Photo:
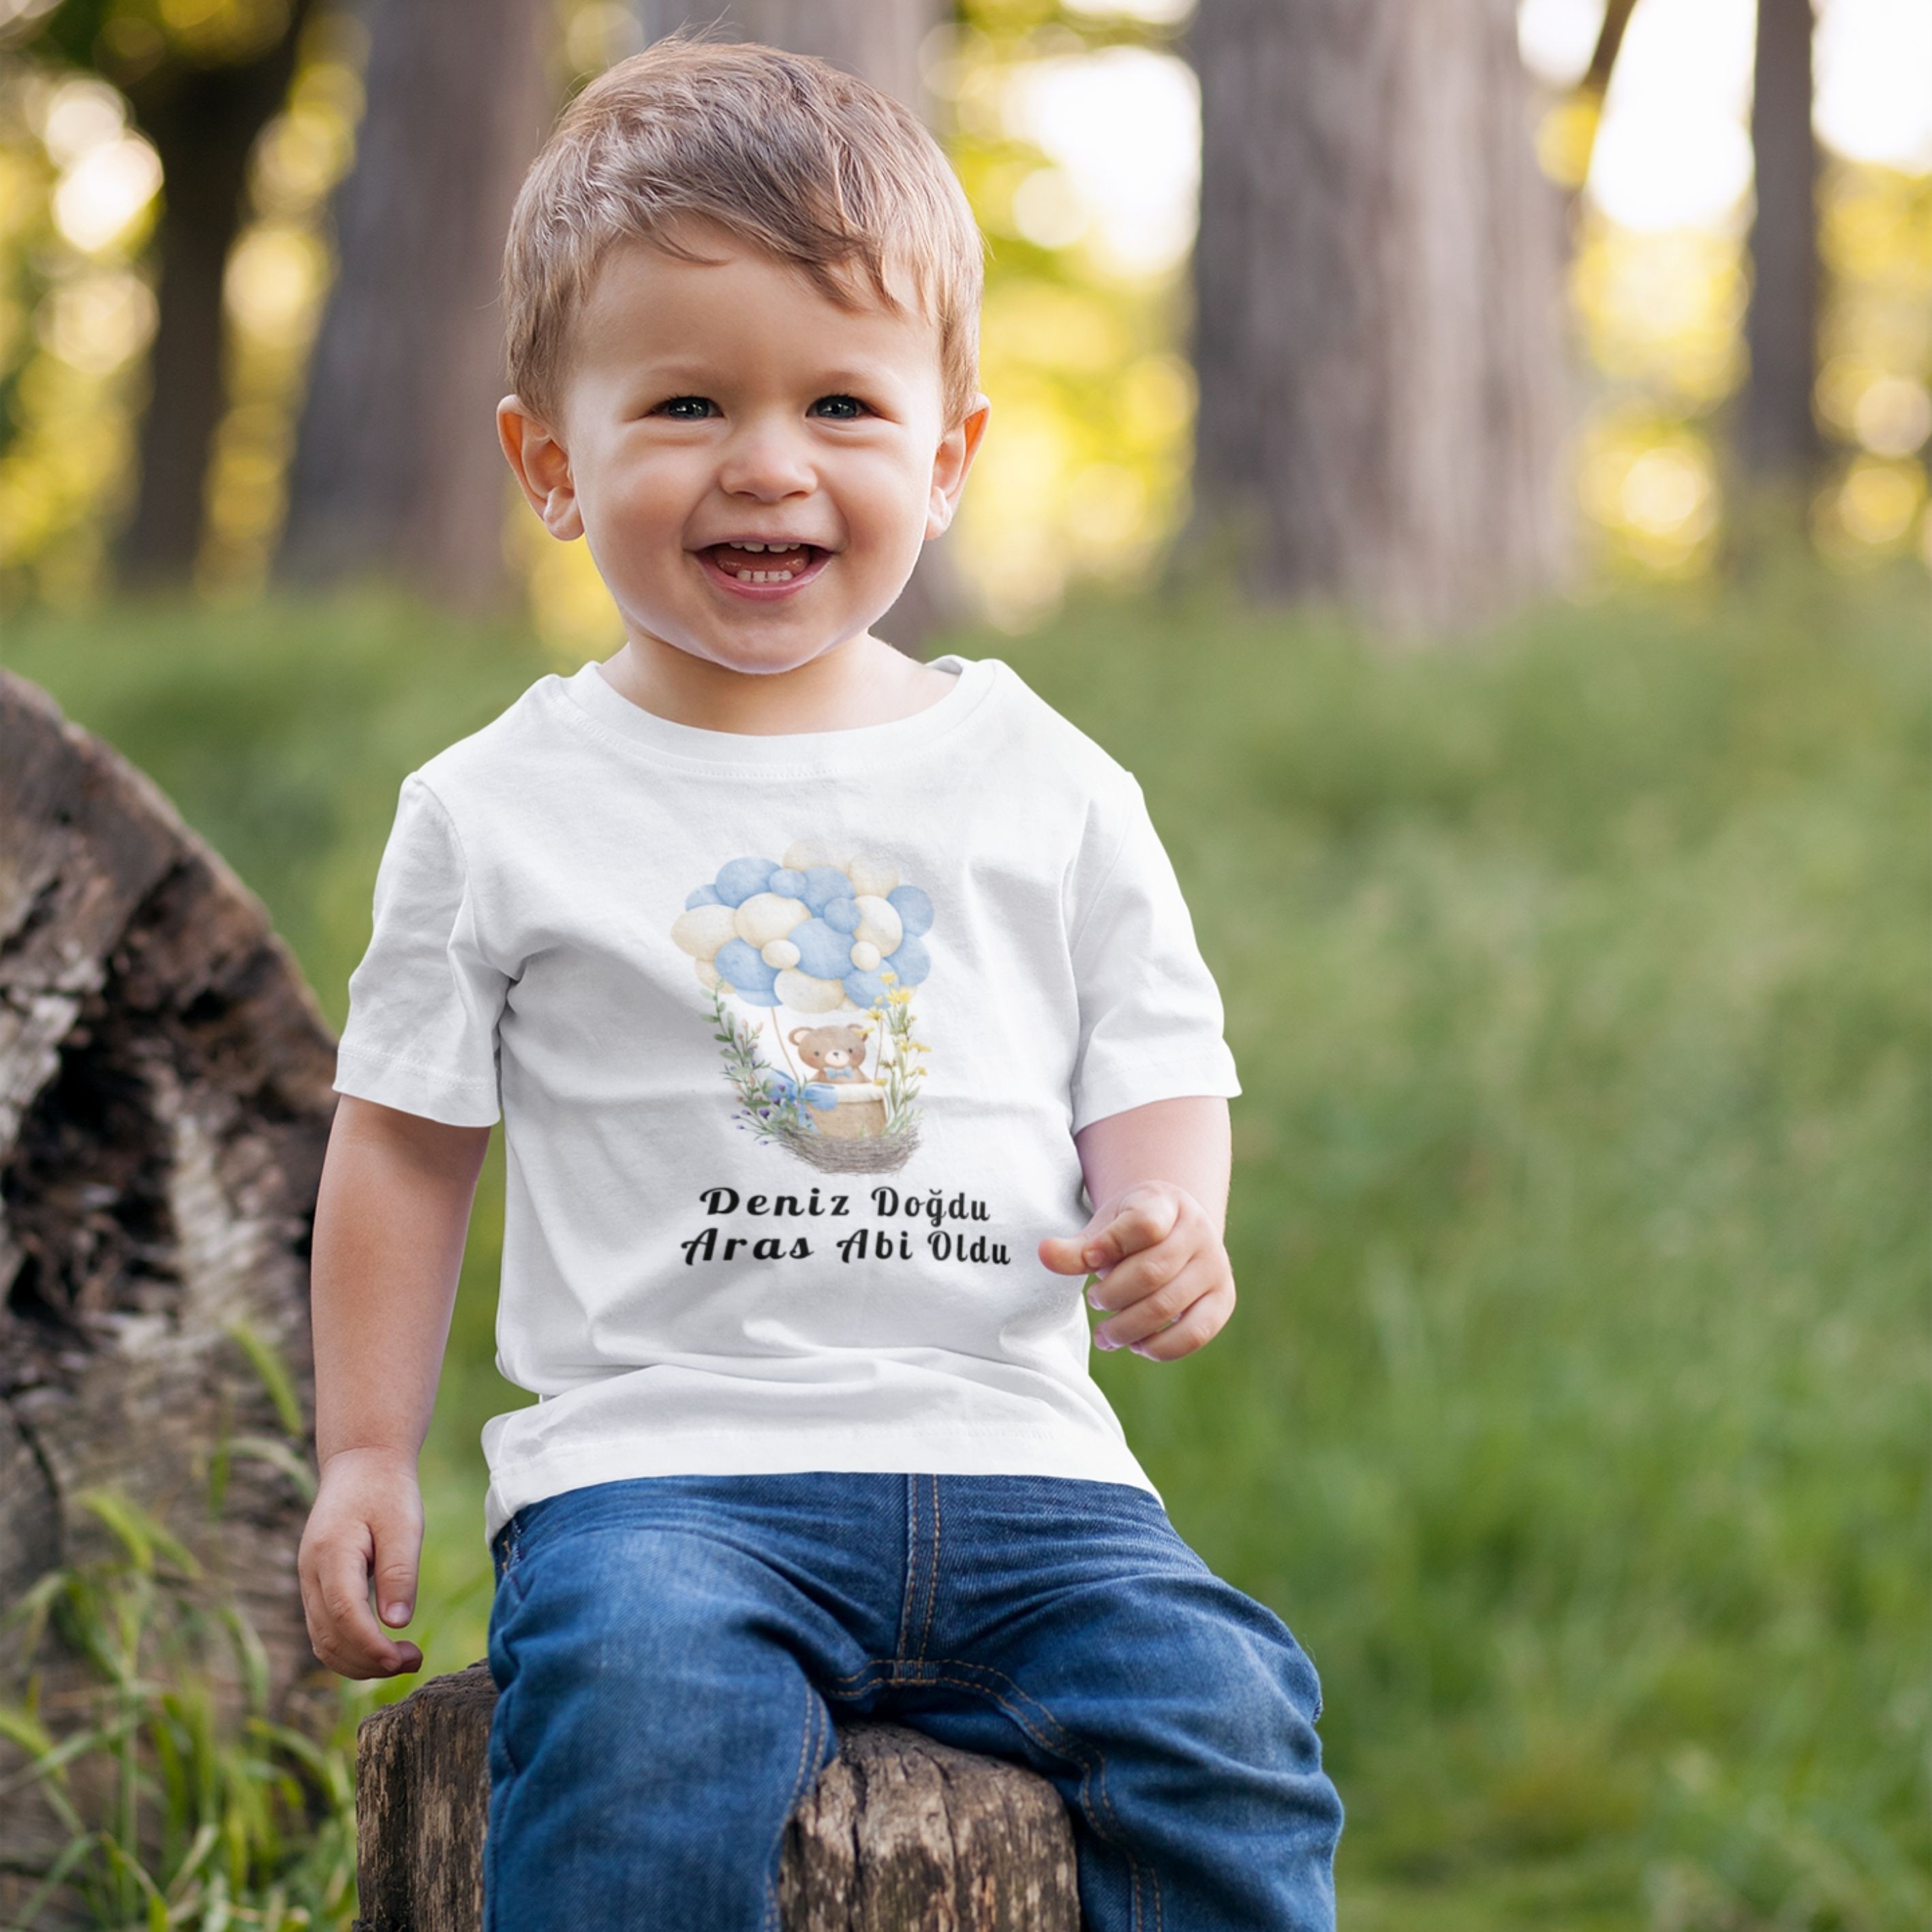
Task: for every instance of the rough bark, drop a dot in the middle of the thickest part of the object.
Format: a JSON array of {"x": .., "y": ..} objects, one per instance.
[
  {"x": 880, "y": 41},
  {"x": 1778, "y": 438},
  {"x": 165, "y": 1096},
  {"x": 1379, "y": 330},
  {"x": 397, "y": 470},
  {"x": 901, "y": 1832},
  {"x": 203, "y": 122}
]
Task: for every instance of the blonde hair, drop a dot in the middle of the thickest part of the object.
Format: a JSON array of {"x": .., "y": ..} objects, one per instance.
[{"x": 784, "y": 151}]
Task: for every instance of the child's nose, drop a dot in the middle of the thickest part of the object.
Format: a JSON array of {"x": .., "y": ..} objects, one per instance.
[{"x": 766, "y": 461}]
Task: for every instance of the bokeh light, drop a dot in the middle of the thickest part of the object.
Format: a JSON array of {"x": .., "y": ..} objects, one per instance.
[{"x": 1075, "y": 127}]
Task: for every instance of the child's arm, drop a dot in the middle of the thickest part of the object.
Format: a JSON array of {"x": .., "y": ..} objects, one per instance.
[
  {"x": 390, "y": 1222},
  {"x": 1158, "y": 1176}
]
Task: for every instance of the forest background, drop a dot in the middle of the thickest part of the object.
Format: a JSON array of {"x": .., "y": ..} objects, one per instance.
[{"x": 1539, "y": 726}]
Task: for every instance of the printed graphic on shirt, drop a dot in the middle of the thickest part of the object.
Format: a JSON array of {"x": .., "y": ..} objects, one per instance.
[{"x": 811, "y": 961}]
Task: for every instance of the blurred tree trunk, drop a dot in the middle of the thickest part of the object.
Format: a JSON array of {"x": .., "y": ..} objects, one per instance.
[
  {"x": 1591, "y": 90},
  {"x": 203, "y": 122},
  {"x": 397, "y": 469},
  {"x": 1777, "y": 442},
  {"x": 879, "y": 41},
  {"x": 1379, "y": 326}
]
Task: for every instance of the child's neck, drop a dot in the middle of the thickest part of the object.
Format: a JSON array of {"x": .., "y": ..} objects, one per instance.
[{"x": 863, "y": 681}]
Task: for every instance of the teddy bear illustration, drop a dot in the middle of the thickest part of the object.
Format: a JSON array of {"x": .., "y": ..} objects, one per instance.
[
  {"x": 831, "y": 1052},
  {"x": 807, "y": 958}
]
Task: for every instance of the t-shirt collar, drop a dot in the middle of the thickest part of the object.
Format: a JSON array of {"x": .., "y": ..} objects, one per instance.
[{"x": 862, "y": 747}]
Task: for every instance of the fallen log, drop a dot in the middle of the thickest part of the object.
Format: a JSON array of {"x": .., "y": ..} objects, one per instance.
[{"x": 165, "y": 1097}]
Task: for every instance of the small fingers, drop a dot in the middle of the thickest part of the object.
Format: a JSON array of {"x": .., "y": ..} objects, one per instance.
[
  {"x": 343, "y": 1631},
  {"x": 1064, "y": 1254},
  {"x": 1194, "y": 1329},
  {"x": 398, "y": 1545},
  {"x": 1146, "y": 1272},
  {"x": 1163, "y": 1304},
  {"x": 1145, "y": 1217}
]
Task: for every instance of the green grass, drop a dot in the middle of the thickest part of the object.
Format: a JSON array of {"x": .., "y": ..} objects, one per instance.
[
  {"x": 185, "y": 1804},
  {"x": 1575, "y": 1413}
]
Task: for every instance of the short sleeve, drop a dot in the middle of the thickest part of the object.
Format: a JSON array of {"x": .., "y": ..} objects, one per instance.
[
  {"x": 1150, "y": 1014},
  {"x": 424, "y": 1002}
]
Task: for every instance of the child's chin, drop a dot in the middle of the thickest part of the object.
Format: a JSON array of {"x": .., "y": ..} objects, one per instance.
[{"x": 762, "y": 653}]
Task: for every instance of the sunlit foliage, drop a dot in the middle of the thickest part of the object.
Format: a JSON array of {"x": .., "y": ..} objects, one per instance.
[
  {"x": 77, "y": 193},
  {"x": 1083, "y": 474},
  {"x": 277, "y": 279},
  {"x": 1874, "y": 396}
]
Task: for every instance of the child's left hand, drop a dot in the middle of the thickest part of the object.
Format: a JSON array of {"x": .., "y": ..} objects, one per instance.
[{"x": 1161, "y": 1266}]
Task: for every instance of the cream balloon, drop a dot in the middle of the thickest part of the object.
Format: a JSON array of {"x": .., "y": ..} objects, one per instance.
[
  {"x": 804, "y": 994},
  {"x": 766, "y": 917},
  {"x": 702, "y": 930},
  {"x": 804, "y": 854},
  {"x": 872, "y": 878},
  {"x": 879, "y": 923},
  {"x": 779, "y": 952},
  {"x": 865, "y": 956},
  {"x": 709, "y": 976}
]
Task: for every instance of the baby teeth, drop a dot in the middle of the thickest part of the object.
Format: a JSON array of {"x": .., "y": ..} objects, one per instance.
[{"x": 763, "y": 576}]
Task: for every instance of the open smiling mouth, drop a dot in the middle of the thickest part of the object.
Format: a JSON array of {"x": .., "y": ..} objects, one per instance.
[{"x": 763, "y": 571}]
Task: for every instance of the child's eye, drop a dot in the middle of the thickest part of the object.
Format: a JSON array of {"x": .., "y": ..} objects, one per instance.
[
  {"x": 843, "y": 409},
  {"x": 687, "y": 409}
]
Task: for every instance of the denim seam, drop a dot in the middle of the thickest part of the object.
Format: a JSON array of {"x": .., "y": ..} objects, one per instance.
[
  {"x": 807, "y": 1752},
  {"x": 499, "y": 1719},
  {"x": 912, "y": 1562},
  {"x": 1088, "y": 1760},
  {"x": 1098, "y": 1773},
  {"x": 932, "y": 1574}
]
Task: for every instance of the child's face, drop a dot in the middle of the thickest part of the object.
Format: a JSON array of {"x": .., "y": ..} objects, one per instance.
[{"x": 705, "y": 405}]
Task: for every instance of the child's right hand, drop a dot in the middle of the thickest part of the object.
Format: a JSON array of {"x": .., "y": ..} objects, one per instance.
[{"x": 367, "y": 1522}]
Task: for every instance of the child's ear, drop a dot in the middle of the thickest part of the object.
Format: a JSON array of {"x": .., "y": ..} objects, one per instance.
[
  {"x": 542, "y": 466},
  {"x": 953, "y": 459}
]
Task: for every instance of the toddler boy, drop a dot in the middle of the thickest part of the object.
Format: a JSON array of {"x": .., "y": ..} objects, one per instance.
[{"x": 811, "y": 984}]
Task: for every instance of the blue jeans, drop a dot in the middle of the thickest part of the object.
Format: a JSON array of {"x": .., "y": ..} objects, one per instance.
[{"x": 670, "y": 1654}]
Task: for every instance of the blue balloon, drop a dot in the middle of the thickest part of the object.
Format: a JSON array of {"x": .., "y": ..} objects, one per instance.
[
  {"x": 704, "y": 896},
  {"x": 751, "y": 997},
  {"x": 911, "y": 962},
  {"x": 739, "y": 880},
  {"x": 843, "y": 915},
  {"x": 914, "y": 909},
  {"x": 748, "y": 974},
  {"x": 865, "y": 989},
  {"x": 823, "y": 952},
  {"x": 791, "y": 884},
  {"x": 823, "y": 884}
]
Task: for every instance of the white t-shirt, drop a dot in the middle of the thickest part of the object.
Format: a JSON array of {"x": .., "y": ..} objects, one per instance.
[{"x": 789, "y": 1036}]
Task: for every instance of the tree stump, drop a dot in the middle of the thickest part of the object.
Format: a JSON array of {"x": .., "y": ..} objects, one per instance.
[
  {"x": 166, "y": 1089},
  {"x": 902, "y": 1834}
]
